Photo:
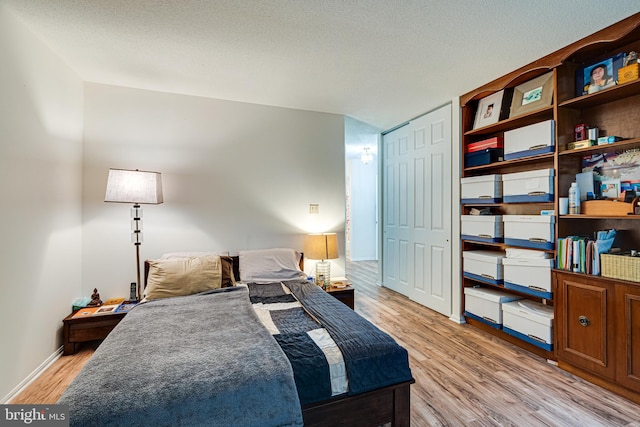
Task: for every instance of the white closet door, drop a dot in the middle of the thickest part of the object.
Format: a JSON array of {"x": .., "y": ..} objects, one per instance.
[
  {"x": 417, "y": 210},
  {"x": 396, "y": 231}
]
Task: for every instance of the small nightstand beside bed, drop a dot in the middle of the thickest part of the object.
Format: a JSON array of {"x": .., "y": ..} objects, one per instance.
[{"x": 276, "y": 350}]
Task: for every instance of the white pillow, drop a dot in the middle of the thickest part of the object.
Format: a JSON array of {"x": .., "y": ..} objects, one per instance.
[
  {"x": 170, "y": 255},
  {"x": 270, "y": 265}
]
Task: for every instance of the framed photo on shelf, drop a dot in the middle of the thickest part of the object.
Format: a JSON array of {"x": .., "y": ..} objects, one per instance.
[
  {"x": 598, "y": 76},
  {"x": 489, "y": 109},
  {"x": 532, "y": 95},
  {"x": 610, "y": 188}
]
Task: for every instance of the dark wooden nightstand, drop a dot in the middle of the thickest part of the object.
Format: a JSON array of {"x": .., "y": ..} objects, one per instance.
[
  {"x": 343, "y": 294},
  {"x": 89, "y": 328}
]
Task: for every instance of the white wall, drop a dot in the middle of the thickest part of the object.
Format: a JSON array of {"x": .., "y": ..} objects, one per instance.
[
  {"x": 362, "y": 190},
  {"x": 40, "y": 184},
  {"x": 235, "y": 176}
]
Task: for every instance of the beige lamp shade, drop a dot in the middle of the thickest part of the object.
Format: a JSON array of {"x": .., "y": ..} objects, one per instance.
[
  {"x": 134, "y": 186},
  {"x": 321, "y": 246}
]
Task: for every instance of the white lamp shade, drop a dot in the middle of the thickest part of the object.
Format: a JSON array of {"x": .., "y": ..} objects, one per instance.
[
  {"x": 321, "y": 246},
  {"x": 134, "y": 186}
]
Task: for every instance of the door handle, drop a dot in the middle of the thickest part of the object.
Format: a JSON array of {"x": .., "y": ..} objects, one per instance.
[{"x": 584, "y": 321}]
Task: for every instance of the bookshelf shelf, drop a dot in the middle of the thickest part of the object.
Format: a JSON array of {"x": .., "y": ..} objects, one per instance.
[
  {"x": 627, "y": 144},
  {"x": 543, "y": 158},
  {"x": 525, "y": 119},
  {"x": 600, "y": 217}
]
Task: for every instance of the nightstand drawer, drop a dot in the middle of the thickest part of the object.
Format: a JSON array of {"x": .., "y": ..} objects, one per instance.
[
  {"x": 343, "y": 294},
  {"x": 82, "y": 329},
  {"x": 97, "y": 330}
]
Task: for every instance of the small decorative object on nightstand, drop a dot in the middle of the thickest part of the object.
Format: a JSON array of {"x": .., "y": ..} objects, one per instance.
[{"x": 95, "y": 299}]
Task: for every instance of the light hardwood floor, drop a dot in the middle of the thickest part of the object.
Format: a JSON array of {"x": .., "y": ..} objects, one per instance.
[{"x": 464, "y": 377}]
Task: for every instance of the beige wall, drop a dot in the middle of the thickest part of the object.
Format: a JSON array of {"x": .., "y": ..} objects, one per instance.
[
  {"x": 40, "y": 186},
  {"x": 235, "y": 176}
]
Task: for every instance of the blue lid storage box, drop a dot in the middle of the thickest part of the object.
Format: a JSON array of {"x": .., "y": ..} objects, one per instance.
[
  {"x": 528, "y": 275},
  {"x": 483, "y": 157},
  {"x": 483, "y": 266},
  {"x": 530, "y": 321},
  {"x": 484, "y": 304},
  {"x": 483, "y": 189},
  {"x": 530, "y": 231},
  {"x": 481, "y": 228},
  {"x": 528, "y": 187},
  {"x": 529, "y": 140}
]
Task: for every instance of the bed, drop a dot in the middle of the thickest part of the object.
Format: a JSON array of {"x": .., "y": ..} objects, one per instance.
[{"x": 274, "y": 350}]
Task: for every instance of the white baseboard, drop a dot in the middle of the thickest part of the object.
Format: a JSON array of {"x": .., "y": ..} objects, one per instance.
[
  {"x": 458, "y": 318},
  {"x": 32, "y": 376}
]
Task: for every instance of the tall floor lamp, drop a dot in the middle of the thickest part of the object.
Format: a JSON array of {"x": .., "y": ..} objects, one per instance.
[
  {"x": 137, "y": 187},
  {"x": 323, "y": 247}
]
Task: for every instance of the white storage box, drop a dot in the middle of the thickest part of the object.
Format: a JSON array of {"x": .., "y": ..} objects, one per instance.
[
  {"x": 485, "y": 305},
  {"x": 484, "y": 266},
  {"x": 529, "y": 140},
  {"x": 528, "y": 275},
  {"x": 529, "y": 186},
  {"x": 527, "y": 253},
  {"x": 529, "y": 321},
  {"x": 481, "y": 228},
  {"x": 529, "y": 231},
  {"x": 481, "y": 189}
]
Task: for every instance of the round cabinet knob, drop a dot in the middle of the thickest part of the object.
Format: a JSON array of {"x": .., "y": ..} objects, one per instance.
[{"x": 584, "y": 321}]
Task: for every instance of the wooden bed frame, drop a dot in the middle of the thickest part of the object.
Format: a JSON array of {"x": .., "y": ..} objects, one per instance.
[{"x": 391, "y": 404}]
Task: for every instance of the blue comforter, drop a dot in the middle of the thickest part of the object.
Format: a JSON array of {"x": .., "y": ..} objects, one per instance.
[{"x": 372, "y": 358}]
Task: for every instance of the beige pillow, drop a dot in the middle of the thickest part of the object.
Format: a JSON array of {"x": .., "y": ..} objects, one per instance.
[{"x": 183, "y": 276}]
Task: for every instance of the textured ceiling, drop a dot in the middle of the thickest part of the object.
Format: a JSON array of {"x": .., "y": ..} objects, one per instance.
[{"x": 378, "y": 61}]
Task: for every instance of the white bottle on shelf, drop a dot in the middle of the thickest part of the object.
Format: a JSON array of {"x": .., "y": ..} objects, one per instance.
[{"x": 574, "y": 199}]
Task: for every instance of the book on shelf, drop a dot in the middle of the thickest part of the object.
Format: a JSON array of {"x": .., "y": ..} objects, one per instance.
[
  {"x": 578, "y": 254},
  {"x": 125, "y": 307},
  {"x": 85, "y": 312},
  {"x": 113, "y": 301},
  {"x": 582, "y": 254},
  {"x": 106, "y": 309}
]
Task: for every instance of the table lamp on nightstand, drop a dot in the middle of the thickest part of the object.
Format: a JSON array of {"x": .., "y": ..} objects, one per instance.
[
  {"x": 322, "y": 246},
  {"x": 137, "y": 187}
]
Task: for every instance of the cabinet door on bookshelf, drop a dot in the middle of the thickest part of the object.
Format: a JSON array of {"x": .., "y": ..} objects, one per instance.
[
  {"x": 585, "y": 323},
  {"x": 628, "y": 309}
]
